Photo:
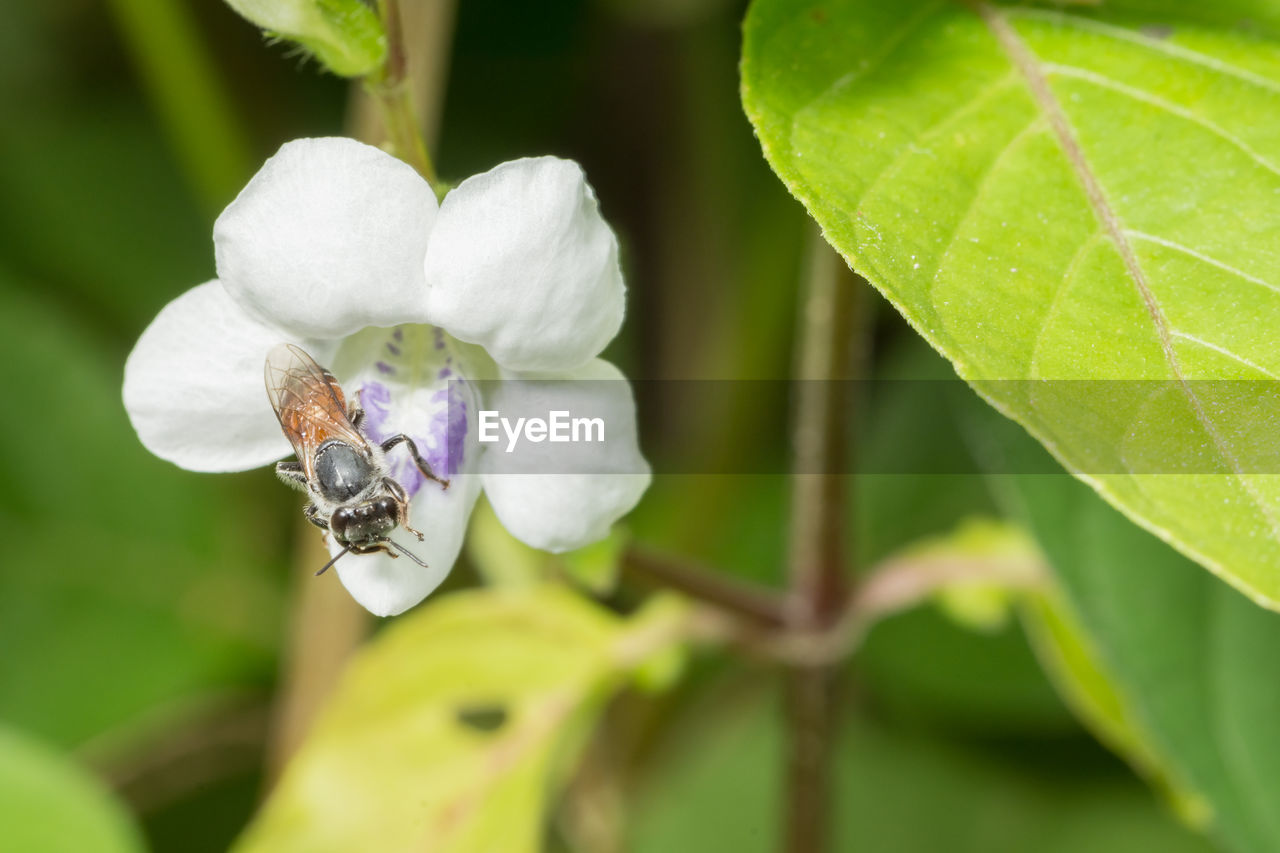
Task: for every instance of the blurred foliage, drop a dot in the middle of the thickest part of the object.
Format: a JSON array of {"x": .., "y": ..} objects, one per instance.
[
  {"x": 1190, "y": 656},
  {"x": 895, "y": 790},
  {"x": 1071, "y": 657},
  {"x": 121, "y": 581},
  {"x": 503, "y": 560},
  {"x": 142, "y": 607},
  {"x": 49, "y": 805},
  {"x": 475, "y": 703}
]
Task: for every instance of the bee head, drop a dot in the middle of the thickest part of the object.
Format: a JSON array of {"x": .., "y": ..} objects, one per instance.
[{"x": 366, "y": 522}]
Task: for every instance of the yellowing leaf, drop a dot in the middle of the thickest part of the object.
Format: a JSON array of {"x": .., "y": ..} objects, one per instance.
[{"x": 451, "y": 731}]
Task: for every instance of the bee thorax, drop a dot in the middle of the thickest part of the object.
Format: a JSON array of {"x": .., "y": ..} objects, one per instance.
[{"x": 341, "y": 471}]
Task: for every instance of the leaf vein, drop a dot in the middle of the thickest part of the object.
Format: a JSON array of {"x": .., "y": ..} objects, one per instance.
[
  {"x": 1223, "y": 351},
  {"x": 1063, "y": 287},
  {"x": 1029, "y": 66},
  {"x": 1153, "y": 44},
  {"x": 1102, "y": 81},
  {"x": 1200, "y": 256}
]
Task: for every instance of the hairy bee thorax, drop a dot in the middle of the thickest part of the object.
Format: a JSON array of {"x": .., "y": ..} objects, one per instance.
[{"x": 342, "y": 472}]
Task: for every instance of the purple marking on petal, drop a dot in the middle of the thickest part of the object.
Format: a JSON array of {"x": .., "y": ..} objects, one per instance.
[
  {"x": 384, "y": 368},
  {"x": 444, "y": 373},
  {"x": 397, "y": 333},
  {"x": 376, "y": 400},
  {"x": 456, "y": 429},
  {"x": 441, "y": 440},
  {"x": 392, "y": 348},
  {"x": 438, "y": 335}
]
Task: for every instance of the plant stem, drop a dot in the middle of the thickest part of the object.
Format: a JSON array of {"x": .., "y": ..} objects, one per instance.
[
  {"x": 326, "y": 626},
  {"x": 818, "y": 587},
  {"x": 393, "y": 91},
  {"x": 756, "y": 604}
]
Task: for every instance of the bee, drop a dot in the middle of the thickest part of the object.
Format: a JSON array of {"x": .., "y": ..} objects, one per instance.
[{"x": 346, "y": 476}]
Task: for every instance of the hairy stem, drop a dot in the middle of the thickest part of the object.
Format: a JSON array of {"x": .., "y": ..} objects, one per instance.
[
  {"x": 393, "y": 90},
  {"x": 818, "y": 590}
]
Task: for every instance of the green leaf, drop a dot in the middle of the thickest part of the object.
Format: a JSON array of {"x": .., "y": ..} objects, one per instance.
[
  {"x": 1071, "y": 658},
  {"x": 1077, "y": 192},
  {"x": 344, "y": 35},
  {"x": 452, "y": 730},
  {"x": 50, "y": 805},
  {"x": 1190, "y": 659}
]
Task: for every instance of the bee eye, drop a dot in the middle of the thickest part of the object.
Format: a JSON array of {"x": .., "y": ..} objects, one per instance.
[{"x": 340, "y": 521}]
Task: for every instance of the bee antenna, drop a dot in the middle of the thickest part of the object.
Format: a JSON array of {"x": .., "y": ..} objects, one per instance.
[
  {"x": 334, "y": 560},
  {"x": 406, "y": 552}
]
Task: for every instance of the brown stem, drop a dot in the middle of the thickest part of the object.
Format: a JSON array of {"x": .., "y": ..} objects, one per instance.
[
  {"x": 818, "y": 588},
  {"x": 756, "y": 604}
]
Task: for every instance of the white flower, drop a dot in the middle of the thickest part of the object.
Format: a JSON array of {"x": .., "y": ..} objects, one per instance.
[{"x": 343, "y": 250}]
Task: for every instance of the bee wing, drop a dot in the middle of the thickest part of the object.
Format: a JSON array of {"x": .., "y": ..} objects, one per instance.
[{"x": 308, "y": 402}]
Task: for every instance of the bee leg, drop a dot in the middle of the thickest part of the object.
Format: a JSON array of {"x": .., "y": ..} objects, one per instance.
[
  {"x": 422, "y": 464},
  {"x": 291, "y": 474},
  {"x": 402, "y": 514},
  {"x": 355, "y": 410},
  {"x": 312, "y": 513}
]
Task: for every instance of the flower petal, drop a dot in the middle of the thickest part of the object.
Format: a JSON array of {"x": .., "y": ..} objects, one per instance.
[
  {"x": 521, "y": 263},
  {"x": 604, "y": 481},
  {"x": 193, "y": 384},
  {"x": 386, "y": 586},
  {"x": 327, "y": 238}
]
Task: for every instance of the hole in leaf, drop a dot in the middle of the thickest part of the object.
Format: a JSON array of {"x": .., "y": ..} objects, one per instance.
[{"x": 482, "y": 718}]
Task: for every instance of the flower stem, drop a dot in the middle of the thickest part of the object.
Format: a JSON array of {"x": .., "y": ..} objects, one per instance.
[
  {"x": 393, "y": 91},
  {"x": 818, "y": 589}
]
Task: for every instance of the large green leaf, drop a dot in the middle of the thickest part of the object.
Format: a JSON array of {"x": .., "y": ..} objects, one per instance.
[
  {"x": 1191, "y": 660},
  {"x": 449, "y": 733},
  {"x": 1087, "y": 191},
  {"x": 50, "y": 805}
]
